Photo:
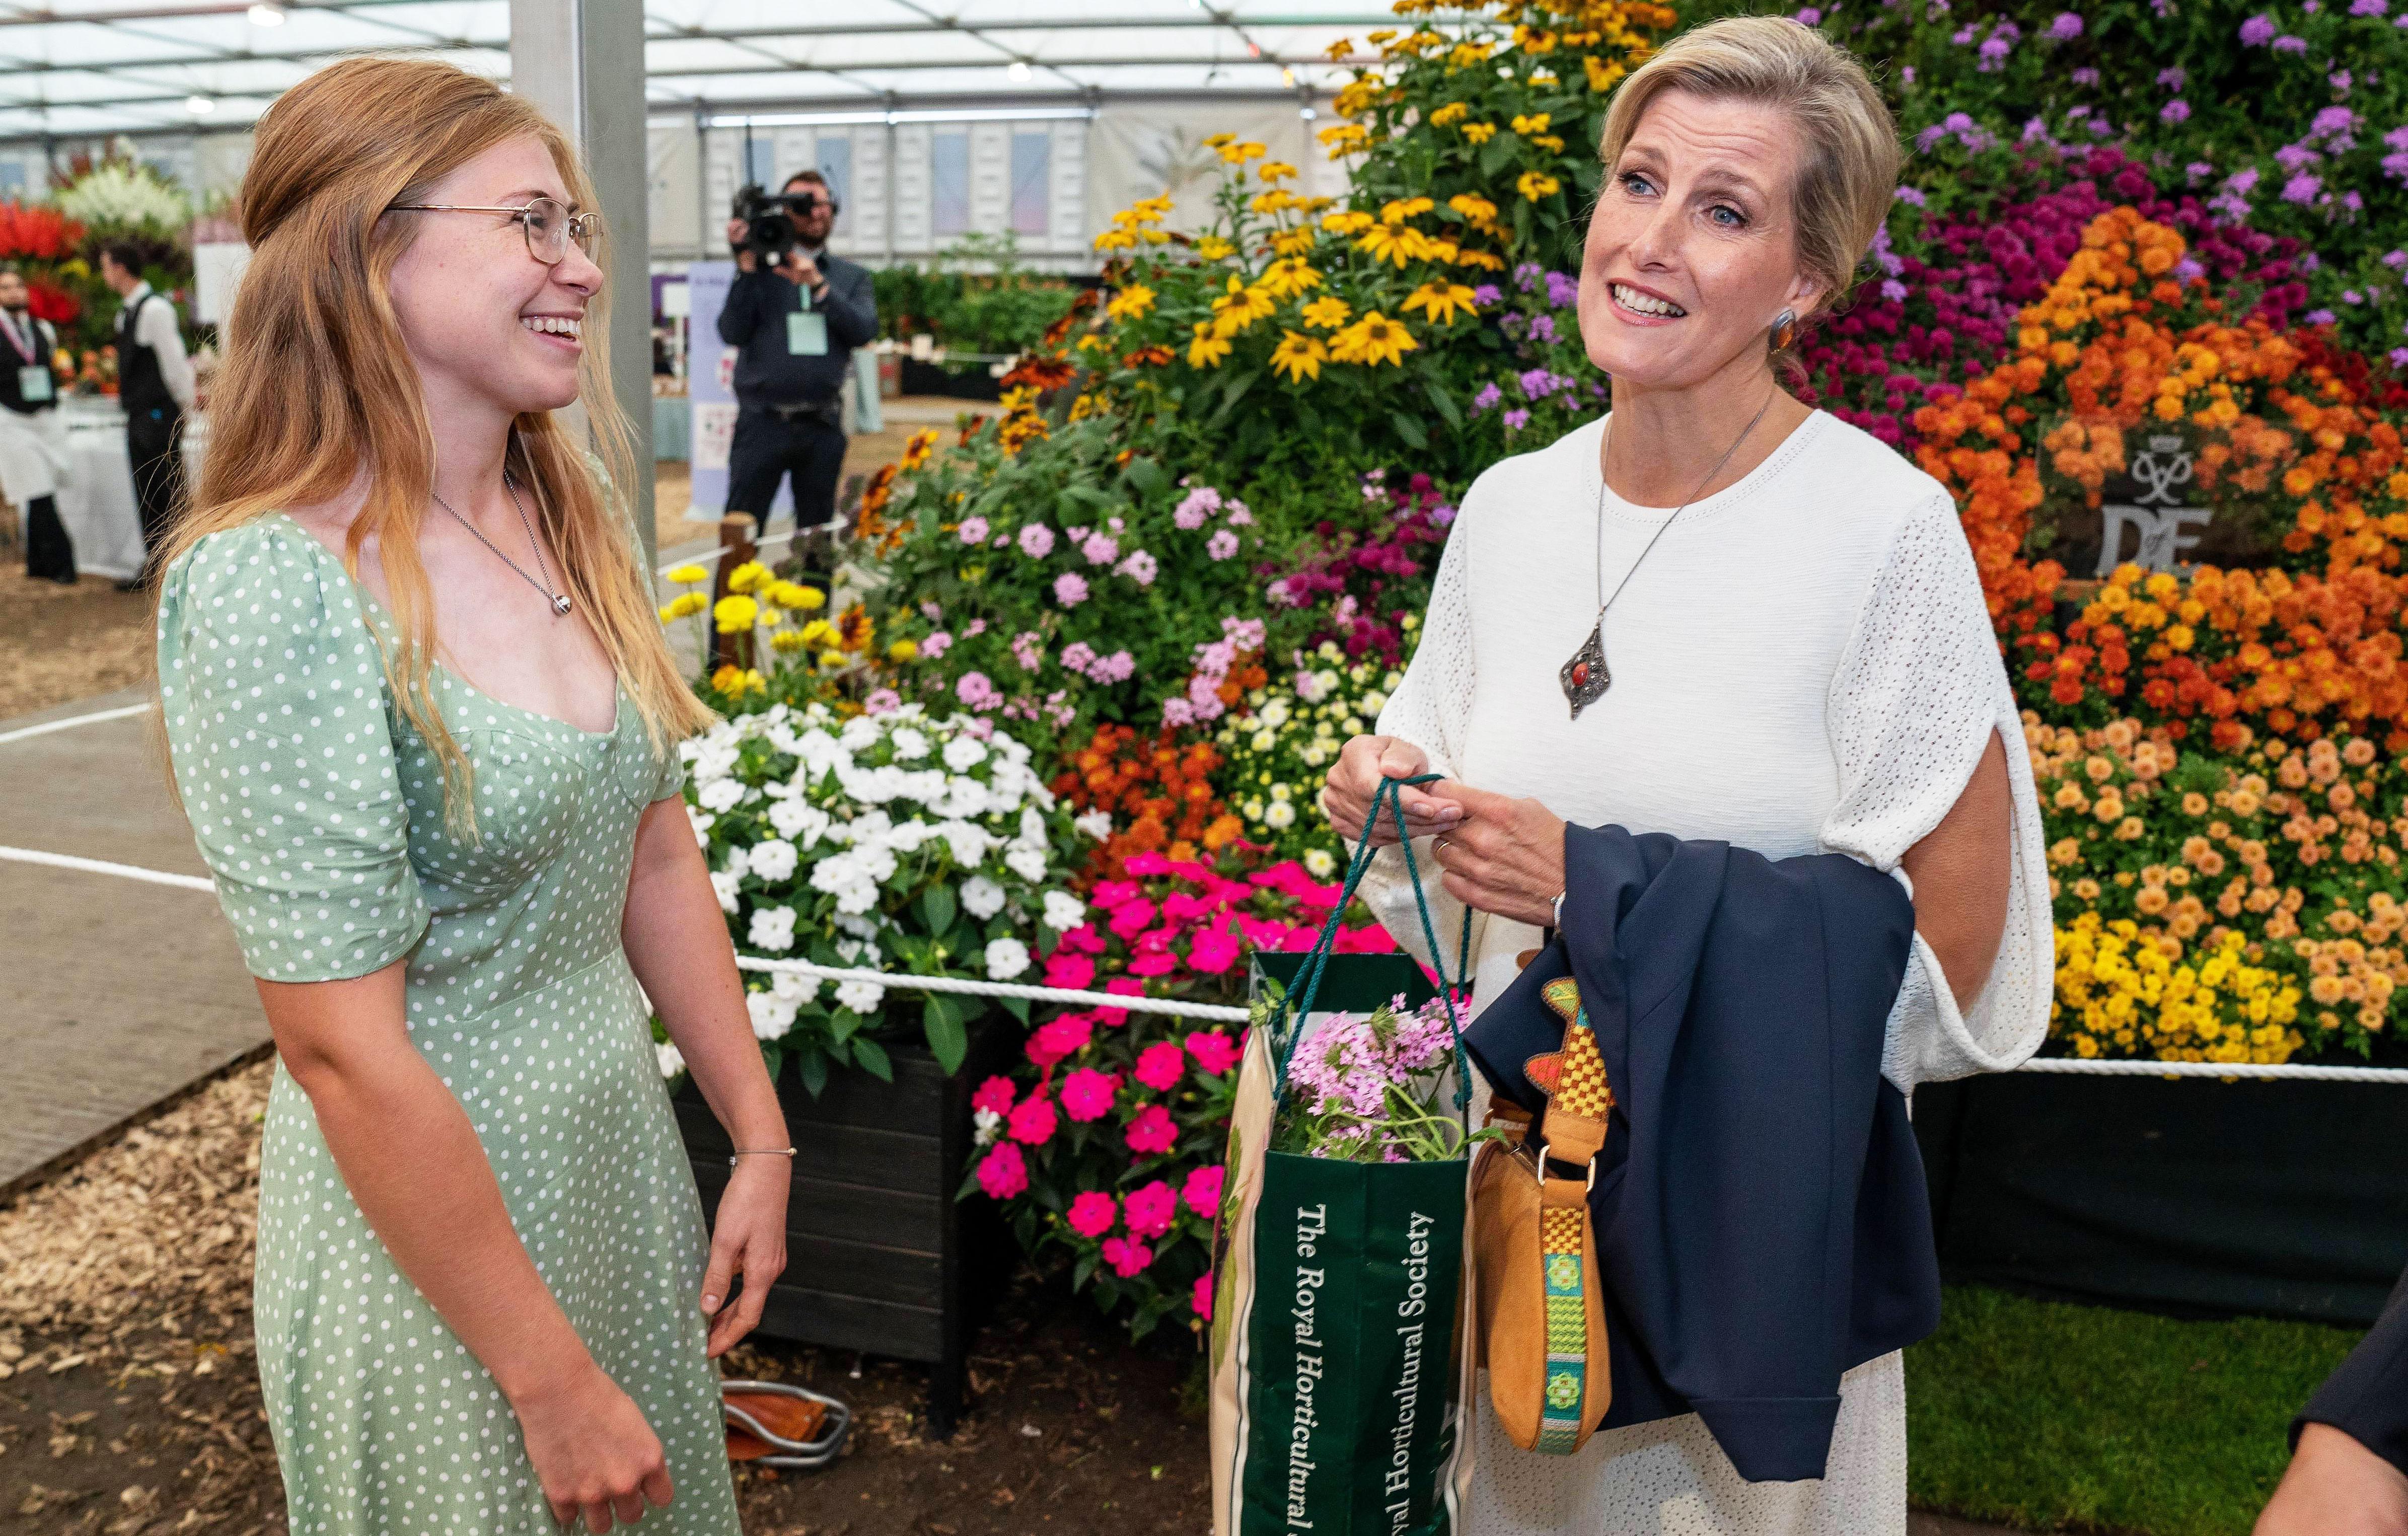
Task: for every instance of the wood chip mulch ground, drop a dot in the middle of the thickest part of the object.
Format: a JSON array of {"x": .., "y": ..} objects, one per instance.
[
  {"x": 59, "y": 643},
  {"x": 130, "y": 1404}
]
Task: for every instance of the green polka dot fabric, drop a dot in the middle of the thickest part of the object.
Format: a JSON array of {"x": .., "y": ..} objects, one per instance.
[{"x": 320, "y": 809}]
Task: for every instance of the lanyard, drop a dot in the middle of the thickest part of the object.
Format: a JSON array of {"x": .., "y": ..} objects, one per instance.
[{"x": 28, "y": 346}]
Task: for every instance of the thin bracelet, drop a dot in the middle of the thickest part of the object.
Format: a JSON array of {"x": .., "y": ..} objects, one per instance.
[
  {"x": 759, "y": 1151},
  {"x": 1559, "y": 907}
]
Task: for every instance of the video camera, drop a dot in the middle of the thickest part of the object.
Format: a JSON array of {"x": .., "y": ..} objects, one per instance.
[{"x": 768, "y": 232}]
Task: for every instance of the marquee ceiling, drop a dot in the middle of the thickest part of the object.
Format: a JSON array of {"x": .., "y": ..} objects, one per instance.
[{"x": 81, "y": 68}]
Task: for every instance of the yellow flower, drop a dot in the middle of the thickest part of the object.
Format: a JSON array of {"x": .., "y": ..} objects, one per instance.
[
  {"x": 1348, "y": 222},
  {"x": 744, "y": 578},
  {"x": 1294, "y": 242},
  {"x": 1487, "y": 260},
  {"x": 917, "y": 448},
  {"x": 1479, "y": 210},
  {"x": 821, "y": 633},
  {"x": 1535, "y": 123},
  {"x": 903, "y": 651},
  {"x": 1326, "y": 314},
  {"x": 1346, "y": 138},
  {"x": 1299, "y": 356},
  {"x": 1238, "y": 154},
  {"x": 831, "y": 658},
  {"x": 1479, "y": 133},
  {"x": 1398, "y": 210},
  {"x": 684, "y": 604},
  {"x": 1288, "y": 277},
  {"x": 729, "y": 679},
  {"x": 1130, "y": 302},
  {"x": 785, "y": 639},
  {"x": 733, "y": 615},
  {"x": 1212, "y": 248},
  {"x": 1116, "y": 240},
  {"x": 1240, "y": 308},
  {"x": 1533, "y": 186},
  {"x": 1603, "y": 77},
  {"x": 1215, "y": 140},
  {"x": 1453, "y": 111},
  {"x": 1440, "y": 301},
  {"x": 1394, "y": 243},
  {"x": 1372, "y": 341},
  {"x": 794, "y": 595},
  {"x": 688, "y": 575},
  {"x": 1275, "y": 170},
  {"x": 1548, "y": 142},
  {"x": 1207, "y": 349}
]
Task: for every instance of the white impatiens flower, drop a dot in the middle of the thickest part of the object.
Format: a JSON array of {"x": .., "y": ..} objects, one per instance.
[
  {"x": 981, "y": 897},
  {"x": 1095, "y": 823},
  {"x": 774, "y": 860},
  {"x": 799, "y": 821},
  {"x": 964, "y": 752},
  {"x": 672, "y": 1062},
  {"x": 773, "y": 929},
  {"x": 861, "y": 997},
  {"x": 702, "y": 821},
  {"x": 970, "y": 843},
  {"x": 722, "y": 794},
  {"x": 772, "y": 1016},
  {"x": 985, "y": 1125},
  {"x": 1026, "y": 862},
  {"x": 794, "y": 987},
  {"x": 909, "y": 743},
  {"x": 1005, "y": 959},
  {"x": 723, "y": 885},
  {"x": 1065, "y": 912}
]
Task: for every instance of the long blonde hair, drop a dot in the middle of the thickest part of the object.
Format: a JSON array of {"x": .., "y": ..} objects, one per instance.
[{"x": 316, "y": 382}]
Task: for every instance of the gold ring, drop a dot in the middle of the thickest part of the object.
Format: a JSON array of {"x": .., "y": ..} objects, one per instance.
[{"x": 1439, "y": 846}]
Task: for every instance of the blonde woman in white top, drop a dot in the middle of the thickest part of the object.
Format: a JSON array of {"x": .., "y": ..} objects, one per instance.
[{"x": 1721, "y": 614}]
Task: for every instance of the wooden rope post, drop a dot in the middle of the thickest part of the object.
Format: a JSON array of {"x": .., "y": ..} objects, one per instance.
[{"x": 735, "y": 548}]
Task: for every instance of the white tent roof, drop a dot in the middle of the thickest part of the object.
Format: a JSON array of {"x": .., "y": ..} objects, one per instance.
[{"x": 76, "y": 68}]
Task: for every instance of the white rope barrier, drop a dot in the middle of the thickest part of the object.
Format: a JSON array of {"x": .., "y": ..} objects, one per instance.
[
  {"x": 1226, "y": 1014},
  {"x": 71, "y": 721},
  {"x": 102, "y": 866},
  {"x": 1222, "y": 1012}
]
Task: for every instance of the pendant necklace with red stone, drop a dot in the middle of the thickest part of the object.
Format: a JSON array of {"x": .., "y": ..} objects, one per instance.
[{"x": 1585, "y": 677}]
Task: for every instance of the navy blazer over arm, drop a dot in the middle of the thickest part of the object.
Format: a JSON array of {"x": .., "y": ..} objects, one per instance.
[{"x": 1759, "y": 1207}]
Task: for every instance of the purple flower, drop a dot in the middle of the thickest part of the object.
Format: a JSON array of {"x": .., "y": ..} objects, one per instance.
[
  {"x": 1486, "y": 295},
  {"x": 1028, "y": 649},
  {"x": 1912, "y": 196},
  {"x": 1563, "y": 290},
  {"x": 2188, "y": 271},
  {"x": 2302, "y": 188},
  {"x": 1929, "y": 137},
  {"x": 1527, "y": 276},
  {"x": 2395, "y": 259},
  {"x": 2086, "y": 77},
  {"x": 1197, "y": 508},
  {"x": 1116, "y": 668},
  {"x": 1078, "y": 656},
  {"x": 1994, "y": 52},
  {"x": 2287, "y": 44},
  {"x": 1907, "y": 73},
  {"x": 2291, "y": 157},
  {"x": 2171, "y": 78},
  {"x": 2067, "y": 26},
  {"x": 1963, "y": 35},
  {"x": 1222, "y": 545},
  {"x": 2369, "y": 7},
  {"x": 2175, "y": 111},
  {"x": 2199, "y": 170},
  {"x": 936, "y": 646},
  {"x": 1538, "y": 383},
  {"x": 973, "y": 530},
  {"x": 1100, "y": 549},
  {"x": 1139, "y": 567},
  {"x": 2320, "y": 317},
  {"x": 2258, "y": 31},
  {"x": 2351, "y": 296},
  {"x": 1487, "y": 397},
  {"x": 1809, "y": 17},
  {"x": 1543, "y": 329},
  {"x": 2340, "y": 80},
  {"x": 1893, "y": 290},
  {"x": 1037, "y": 541},
  {"x": 1517, "y": 419},
  {"x": 1070, "y": 589},
  {"x": 975, "y": 691},
  {"x": 2333, "y": 121}
]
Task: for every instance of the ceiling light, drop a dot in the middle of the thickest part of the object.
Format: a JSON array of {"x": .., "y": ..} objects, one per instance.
[
  {"x": 1019, "y": 71},
  {"x": 265, "y": 15},
  {"x": 199, "y": 106}
]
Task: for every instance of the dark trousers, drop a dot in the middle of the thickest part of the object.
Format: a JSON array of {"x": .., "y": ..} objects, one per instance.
[
  {"x": 158, "y": 474},
  {"x": 50, "y": 555},
  {"x": 766, "y": 448}
]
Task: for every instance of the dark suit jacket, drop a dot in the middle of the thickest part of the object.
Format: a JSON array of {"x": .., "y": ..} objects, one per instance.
[
  {"x": 753, "y": 322},
  {"x": 1759, "y": 1205},
  {"x": 2367, "y": 1397}
]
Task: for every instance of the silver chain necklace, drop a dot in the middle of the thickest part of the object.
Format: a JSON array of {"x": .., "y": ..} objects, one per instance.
[
  {"x": 559, "y": 600},
  {"x": 1585, "y": 679}
]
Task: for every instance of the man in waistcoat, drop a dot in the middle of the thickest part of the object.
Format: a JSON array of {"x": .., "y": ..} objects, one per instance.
[
  {"x": 33, "y": 442},
  {"x": 154, "y": 384}
]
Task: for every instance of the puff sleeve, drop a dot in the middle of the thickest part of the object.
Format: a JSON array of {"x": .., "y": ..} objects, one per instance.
[
  {"x": 273, "y": 694},
  {"x": 1919, "y": 690}
]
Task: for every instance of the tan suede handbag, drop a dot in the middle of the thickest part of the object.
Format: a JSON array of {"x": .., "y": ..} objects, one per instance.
[{"x": 1540, "y": 1312}]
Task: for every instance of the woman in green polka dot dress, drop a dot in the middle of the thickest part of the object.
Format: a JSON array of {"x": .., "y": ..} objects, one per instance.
[{"x": 424, "y": 725}]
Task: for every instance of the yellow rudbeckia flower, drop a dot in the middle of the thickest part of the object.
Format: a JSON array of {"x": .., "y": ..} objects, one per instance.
[
  {"x": 1327, "y": 313},
  {"x": 1372, "y": 341},
  {"x": 1534, "y": 186},
  {"x": 1441, "y": 301},
  {"x": 1299, "y": 356}
]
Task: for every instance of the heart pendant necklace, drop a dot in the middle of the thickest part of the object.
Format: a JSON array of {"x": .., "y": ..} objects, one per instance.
[{"x": 1585, "y": 679}]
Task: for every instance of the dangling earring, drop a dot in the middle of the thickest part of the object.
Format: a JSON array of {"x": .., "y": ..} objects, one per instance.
[{"x": 1784, "y": 329}]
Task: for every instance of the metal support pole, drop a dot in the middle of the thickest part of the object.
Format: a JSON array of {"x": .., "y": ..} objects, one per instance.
[{"x": 582, "y": 60}]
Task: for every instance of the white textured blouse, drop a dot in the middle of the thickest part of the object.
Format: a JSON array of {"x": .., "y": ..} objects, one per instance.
[{"x": 1802, "y": 664}]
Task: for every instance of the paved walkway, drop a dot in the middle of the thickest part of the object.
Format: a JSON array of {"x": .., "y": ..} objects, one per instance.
[{"x": 117, "y": 994}]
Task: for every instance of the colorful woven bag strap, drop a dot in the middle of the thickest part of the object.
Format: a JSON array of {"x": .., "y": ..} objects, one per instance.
[{"x": 1573, "y": 1129}]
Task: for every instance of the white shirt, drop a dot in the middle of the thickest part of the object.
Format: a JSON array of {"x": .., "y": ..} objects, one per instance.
[
  {"x": 155, "y": 327},
  {"x": 1803, "y": 664}
]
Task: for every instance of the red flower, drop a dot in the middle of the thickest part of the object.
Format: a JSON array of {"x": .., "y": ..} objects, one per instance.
[
  {"x": 1087, "y": 1093},
  {"x": 1201, "y": 1300},
  {"x": 1092, "y": 1214},
  {"x": 1128, "y": 1259},
  {"x": 1213, "y": 950},
  {"x": 994, "y": 1094},
  {"x": 1003, "y": 1173},
  {"x": 1159, "y": 1067},
  {"x": 1032, "y": 1121},
  {"x": 1152, "y": 1131},
  {"x": 1151, "y": 1209},
  {"x": 1215, "y": 1053},
  {"x": 1202, "y": 1190}
]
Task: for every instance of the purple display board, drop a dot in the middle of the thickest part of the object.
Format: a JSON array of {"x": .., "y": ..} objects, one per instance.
[{"x": 710, "y": 373}]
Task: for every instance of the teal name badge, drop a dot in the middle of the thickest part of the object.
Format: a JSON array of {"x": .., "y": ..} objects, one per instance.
[
  {"x": 805, "y": 335},
  {"x": 34, "y": 384}
]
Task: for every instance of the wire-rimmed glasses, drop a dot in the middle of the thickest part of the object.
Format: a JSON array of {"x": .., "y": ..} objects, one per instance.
[{"x": 547, "y": 225}]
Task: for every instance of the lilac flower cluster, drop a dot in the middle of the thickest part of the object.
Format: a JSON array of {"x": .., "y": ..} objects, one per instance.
[
  {"x": 1202, "y": 700},
  {"x": 1341, "y": 1080}
]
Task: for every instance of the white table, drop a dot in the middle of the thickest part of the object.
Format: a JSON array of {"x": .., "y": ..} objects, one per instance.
[{"x": 97, "y": 503}]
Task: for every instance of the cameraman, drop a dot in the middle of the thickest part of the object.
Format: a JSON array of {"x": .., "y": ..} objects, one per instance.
[{"x": 795, "y": 323}]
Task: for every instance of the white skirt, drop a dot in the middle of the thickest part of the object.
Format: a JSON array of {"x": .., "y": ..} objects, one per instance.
[{"x": 1670, "y": 1478}]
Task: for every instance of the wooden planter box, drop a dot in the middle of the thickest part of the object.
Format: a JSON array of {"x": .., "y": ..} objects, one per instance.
[
  {"x": 969, "y": 382},
  {"x": 2186, "y": 1196},
  {"x": 880, "y": 1256}
]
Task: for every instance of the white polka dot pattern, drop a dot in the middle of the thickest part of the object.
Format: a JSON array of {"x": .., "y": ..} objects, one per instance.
[{"x": 320, "y": 810}]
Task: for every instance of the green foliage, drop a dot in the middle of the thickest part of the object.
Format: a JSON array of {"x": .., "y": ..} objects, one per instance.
[
  {"x": 978, "y": 296},
  {"x": 2045, "y": 1414}
]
